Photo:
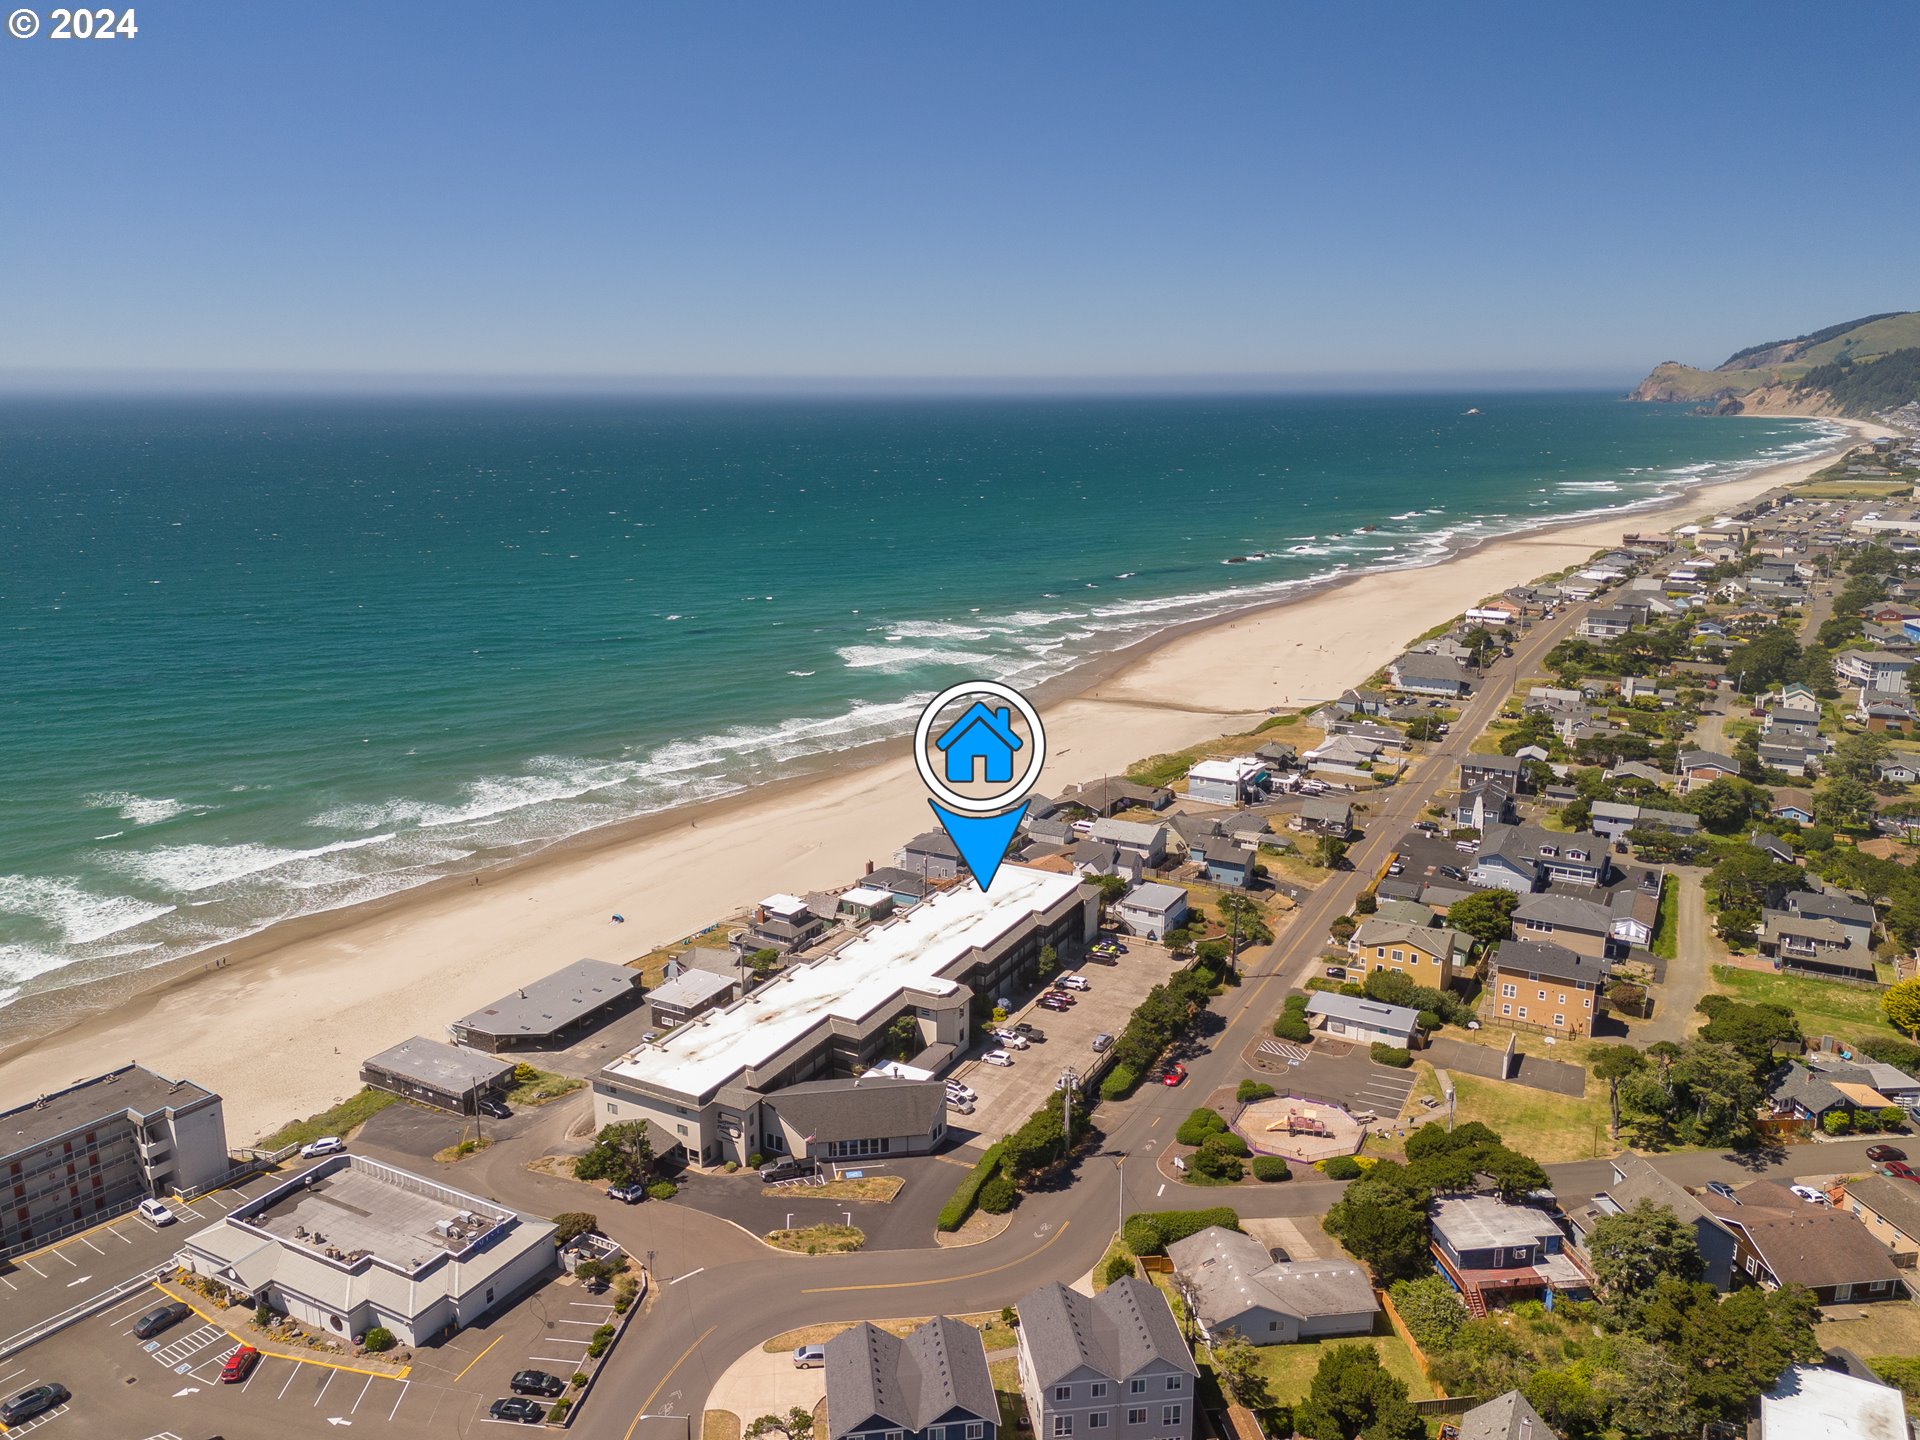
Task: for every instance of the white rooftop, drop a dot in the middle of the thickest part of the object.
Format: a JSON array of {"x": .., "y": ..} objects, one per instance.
[
  {"x": 783, "y": 904},
  {"x": 866, "y": 895},
  {"x": 852, "y": 983},
  {"x": 1810, "y": 1403},
  {"x": 1236, "y": 769}
]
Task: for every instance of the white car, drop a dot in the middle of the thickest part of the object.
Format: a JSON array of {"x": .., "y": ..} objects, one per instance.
[
  {"x": 325, "y": 1145},
  {"x": 957, "y": 1091},
  {"x": 1811, "y": 1195},
  {"x": 997, "y": 1057},
  {"x": 1073, "y": 982},
  {"x": 156, "y": 1212},
  {"x": 1013, "y": 1039}
]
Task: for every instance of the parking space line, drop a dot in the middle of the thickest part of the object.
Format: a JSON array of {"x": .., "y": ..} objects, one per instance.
[
  {"x": 90, "y": 1245},
  {"x": 114, "y": 1230},
  {"x": 404, "y": 1384},
  {"x": 33, "y": 1267},
  {"x": 557, "y": 1359},
  {"x": 362, "y": 1395},
  {"x": 323, "y": 1388},
  {"x": 477, "y": 1359},
  {"x": 57, "y": 1250},
  {"x": 293, "y": 1374}
]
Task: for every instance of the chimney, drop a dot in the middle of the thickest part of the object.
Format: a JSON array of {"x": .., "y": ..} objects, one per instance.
[{"x": 869, "y": 869}]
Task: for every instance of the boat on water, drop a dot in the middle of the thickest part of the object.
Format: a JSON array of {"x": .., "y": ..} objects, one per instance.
[{"x": 1474, "y": 411}]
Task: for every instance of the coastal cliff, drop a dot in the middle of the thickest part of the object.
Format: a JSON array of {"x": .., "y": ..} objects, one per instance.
[{"x": 1858, "y": 368}]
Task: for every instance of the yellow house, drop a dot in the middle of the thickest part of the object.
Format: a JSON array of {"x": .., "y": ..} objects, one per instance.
[
  {"x": 1889, "y": 1208},
  {"x": 1427, "y": 955}
]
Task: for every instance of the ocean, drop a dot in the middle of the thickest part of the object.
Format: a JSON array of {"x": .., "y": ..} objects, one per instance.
[{"x": 262, "y": 658}]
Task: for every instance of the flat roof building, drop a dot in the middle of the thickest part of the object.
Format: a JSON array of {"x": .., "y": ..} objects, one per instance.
[
  {"x": 710, "y": 1081},
  {"x": 438, "y": 1074},
  {"x": 352, "y": 1243},
  {"x": 553, "y": 1010},
  {"x": 78, "y": 1156}
]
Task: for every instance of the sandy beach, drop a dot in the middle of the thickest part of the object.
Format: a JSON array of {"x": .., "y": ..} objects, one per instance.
[{"x": 281, "y": 1027}]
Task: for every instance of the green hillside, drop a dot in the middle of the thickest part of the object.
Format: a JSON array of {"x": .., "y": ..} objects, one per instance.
[{"x": 1837, "y": 369}]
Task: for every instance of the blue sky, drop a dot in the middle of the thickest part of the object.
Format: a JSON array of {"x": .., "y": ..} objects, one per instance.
[{"x": 1217, "y": 192}]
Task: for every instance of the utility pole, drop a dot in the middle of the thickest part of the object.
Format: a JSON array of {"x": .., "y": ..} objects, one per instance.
[{"x": 1068, "y": 1081}]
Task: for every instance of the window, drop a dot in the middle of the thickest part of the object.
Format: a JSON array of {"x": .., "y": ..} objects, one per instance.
[
  {"x": 1561, "y": 1021},
  {"x": 1523, "y": 1012},
  {"x": 1063, "y": 1392},
  {"x": 1398, "y": 956},
  {"x": 1173, "y": 1382},
  {"x": 1136, "y": 1417},
  {"x": 1509, "y": 991},
  {"x": 1063, "y": 1425},
  {"x": 976, "y": 1431},
  {"x": 1137, "y": 1387},
  {"x": 1549, "y": 849},
  {"x": 1097, "y": 1420},
  {"x": 1169, "y": 1414},
  {"x": 1098, "y": 1389},
  {"x": 1506, "y": 1009}
]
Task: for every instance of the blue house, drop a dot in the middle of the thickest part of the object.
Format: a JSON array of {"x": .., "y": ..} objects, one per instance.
[
  {"x": 1229, "y": 864},
  {"x": 980, "y": 740}
]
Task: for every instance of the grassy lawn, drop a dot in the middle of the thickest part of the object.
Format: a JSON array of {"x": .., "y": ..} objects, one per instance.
[
  {"x": 1822, "y": 1006},
  {"x": 1289, "y": 1368},
  {"x": 1292, "y": 866},
  {"x": 1547, "y": 1126},
  {"x": 1006, "y": 1389},
  {"x": 995, "y": 1333},
  {"x": 819, "y": 1239},
  {"x": 539, "y": 1087},
  {"x": 353, "y": 1111},
  {"x": 1889, "y": 1329},
  {"x": 720, "y": 1425},
  {"x": 1666, "y": 928}
]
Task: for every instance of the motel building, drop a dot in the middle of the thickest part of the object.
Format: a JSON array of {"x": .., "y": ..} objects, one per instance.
[{"x": 716, "y": 1084}]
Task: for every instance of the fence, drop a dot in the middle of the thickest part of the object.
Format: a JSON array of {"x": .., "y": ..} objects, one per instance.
[{"x": 73, "y": 1315}]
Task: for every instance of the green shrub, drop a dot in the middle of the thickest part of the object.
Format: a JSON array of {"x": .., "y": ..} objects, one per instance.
[
  {"x": 1119, "y": 1082},
  {"x": 571, "y": 1224},
  {"x": 756, "y": 1160},
  {"x": 998, "y": 1195},
  {"x": 1296, "y": 1003},
  {"x": 1837, "y": 1122},
  {"x": 1226, "y": 1142},
  {"x": 1384, "y": 1054},
  {"x": 1891, "y": 1117},
  {"x": 579, "y": 1379},
  {"x": 1252, "y": 1090},
  {"x": 1430, "y": 1020},
  {"x": 558, "y": 1410},
  {"x": 1117, "y": 1267},
  {"x": 1292, "y": 1025},
  {"x": 967, "y": 1193},
  {"x": 662, "y": 1190},
  {"x": 1215, "y": 1166},
  {"x": 1150, "y": 1231},
  {"x": 1199, "y": 1125},
  {"x": 1271, "y": 1168},
  {"x": 1342, "y": 1167},
  {"x": 377, "y": 1339}
]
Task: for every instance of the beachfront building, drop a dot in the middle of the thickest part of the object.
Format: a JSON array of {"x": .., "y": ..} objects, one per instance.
[
  {"x": 1152, "y": 909},
  {"x": 780, "y": 923},
  {"x": 1111, "y": 1366},
  {"x": 1234, "y": 1283},
  {"x": 713, "y": 1084},
  {"x": 94, "y": 1150},
  {"x": 1429, "y": 675},
  {"x": 435, "y": 1073},
  {"x": 1227, "y": 782},
  {"x": 688, "y": 993},
  {"x": 929, "y": 1384},
  {"x": 351, "y": 1243},
  {"x": 553, "y": 1011}
]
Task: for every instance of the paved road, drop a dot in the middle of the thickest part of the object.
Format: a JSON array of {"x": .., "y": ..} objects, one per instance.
[{"x": 1689, "y": 972}]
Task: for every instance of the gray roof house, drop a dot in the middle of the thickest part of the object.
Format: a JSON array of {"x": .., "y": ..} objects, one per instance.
[
  {"x": 1237, "y": 1285},
  {"x": 1428, "y": 675},
  {"x": 1147, "y": 842},
  {"x": 1523, "y": 858},
  {"x": 1505, "y": 1417},
  {"x": 1635, "y": 1181},
  {"x": 881, "y": 1385},
  {"x": 552, "y": 1009},
  {"x": 848, "y": 1119},
  {"x": 1118, "y": 1355},
  {"x": 1368, "y": 1021},
  {"x": 1152, "y": 909}
]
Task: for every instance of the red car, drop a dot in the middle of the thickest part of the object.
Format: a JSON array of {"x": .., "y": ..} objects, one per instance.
[
  {"x": 1066, "y": 995},
  {"x": 1881, "y": 1153},
  {"x": 239, "y": 1365},
  {"x": 1900, "y": 1170},
  {"x": 1173, "y": 1074},
  {"x": 1054, "y": 1002}
]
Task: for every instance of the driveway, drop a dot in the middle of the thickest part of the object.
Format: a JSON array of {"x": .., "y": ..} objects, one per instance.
[
  {"x": 1553, "y": 1075},
  {"x": 759, "y": 1383},
  {"x": 1688, "y": 973}
]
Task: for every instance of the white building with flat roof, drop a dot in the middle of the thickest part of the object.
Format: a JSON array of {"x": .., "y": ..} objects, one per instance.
[{"x": 709, "y": 1082}]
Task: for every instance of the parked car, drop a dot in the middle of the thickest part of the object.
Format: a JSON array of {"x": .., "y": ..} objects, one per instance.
[
  {"x": 37, "y": 1401},
  {"x": 496, "y": 1108},
  {"x": 1880, "y": 1154},
  {"x": 998, "y": 1057},
  {"x": 1723, "y": 1190},
  {"x": 1032, "y": 1032},
  {"x": 154, "y": 1321},
  {"x": 1900, "y": 1170},
  {"x": 1011, "y": 1038},
  {"x": 1101, "y": 1042},
  {"x": 810, "y": 1357},
  {"x": 627, "y": 1194},
  {"x": 1810, "y": 1195},
  {"x": 957, "y": 1091},
  {"x": 1074, "y": 982},
  {"x": 1426, "y": 827},
  {"x": 1173, "y": 1074},
  {"x": 1466, "y": 847},
  {"x": 1452, "y": 872},
  {"x": 157, "y": 1212},
  {"x": 1058, "y": 994},
  {"x": 239, "y": 1365},
  {"x": 325, "y": 1145},
  {"x": 1055, "y": 1003},
  {"x": 537, "y": 1382},
  {"x": 519, "y": 1410},
  {"x": 959, "y": 1107},
  {"x": 1336, "y": 972},
  {"x": 787, "y": 1169}
]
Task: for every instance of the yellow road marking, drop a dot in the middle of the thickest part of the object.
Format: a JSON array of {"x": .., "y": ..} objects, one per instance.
[
  {"x": 401, "y": 1374},
  {"x": 477, "y": 1359},
  {"x": 944, "y": 1279},
  {"x": 663, "y": 1381}
]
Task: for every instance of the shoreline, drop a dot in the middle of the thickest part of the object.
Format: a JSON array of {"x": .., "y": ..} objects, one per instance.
[{"x": 354, "y": 979}]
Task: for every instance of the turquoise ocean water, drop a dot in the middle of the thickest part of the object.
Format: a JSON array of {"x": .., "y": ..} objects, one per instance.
[{"x": 263, "y": 658}]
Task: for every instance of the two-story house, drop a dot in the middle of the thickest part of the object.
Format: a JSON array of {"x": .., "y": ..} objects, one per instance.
[
  {"x": 1506, "y": 771},
  {"x": 1425, "y": 954},
  {"x": 1145, "y": 842},
  {"x": 1523, "y": 858},
  {"x": 1636, "y": 1183},
  {"x": 1537, "y": 986},
  {"x": 930, "y": 1384},
  {"x": 1111, "y": 1366},
  {"x": 1873, "y": 669},
  {"x": 1429, "y": 675},
  {"x": 1703, "y": 767},
  {"x": 1494, "y": 1252}
]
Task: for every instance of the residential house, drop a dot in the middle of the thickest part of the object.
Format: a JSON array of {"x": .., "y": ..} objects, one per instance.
[
  {"x": 1584, "y": 926},
  {"x": 1609, "y": 623},
  {"x": 929, "y": 1384},
  {"x": 1889, "y": 1080},
  {"x": 1049, "y": 831},
  {"x": 1507, "y": 771},
  {"x": 1791, "y": 804},
  {"x": 1784, "y": 725},
  {"x": 1773, "y": 847},
  {"x": 1406, "y": 912},
  {"x": 1799, "y": 1098},
  {"x": 689, "y": 994},
  {"x": 1425, "y": 953},
  {"x": 1855, "y": 915},
  {"x": 1635, "y": 1180},
  {"x": 782, "y": 923},
  {"x": 1779, "y": 1239},
  {"x": 1873, "y": 669},
  {"x": 1799, "y": 698},
  {"x": 1482, "y": 805},
  {"x": 1323, "y": 815},
  {"x": 1236, "y": 1285},
  {"x": 1096, "y": 857},
  {"x": 1494, "y": 1252},
  {"x": 1809, "y": 1402},
  {"x": 1227, "y": 782},
  {"x": 1505, "y": 1417},
  {"x": 1899, "y": 768},
  {"x": 1702, "y": 767},
  {"x": 1367, "y": 1022},
  {"x": 1111, "y": 794},
  {"x": 1638, "y": 770},
  {"x": 1539, "y": 986},
  {"x": 1107, "y": 1365},
  {"x": 1232, "y": 865},
  {"x": 1881, "y": 711},
  {"x": 932, "y": 855},
  {"x": 1525, "y": 857},
  {"x": 1428, "y": 675},
  {"x": 1152, "y": 909},
  {"x": 1278, "y": 756},
  {"x": 1146, "y": 843},
  {"x": 1614, "y": 819},
  {"x": 1345, "y": 755},
  {"x": 1815, "y": 944},
  {"x": 1889, "y": 1208}
]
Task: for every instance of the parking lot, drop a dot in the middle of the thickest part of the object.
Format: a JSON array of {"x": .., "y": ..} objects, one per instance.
[
  {"x": 1335, "y": 1073},
  {"x": 1009, "y": 1095},
  {"x": 125, "y": 1388}
]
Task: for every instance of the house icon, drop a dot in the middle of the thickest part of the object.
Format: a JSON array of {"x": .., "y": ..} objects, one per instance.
[{"x": 980, "y": 740}]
